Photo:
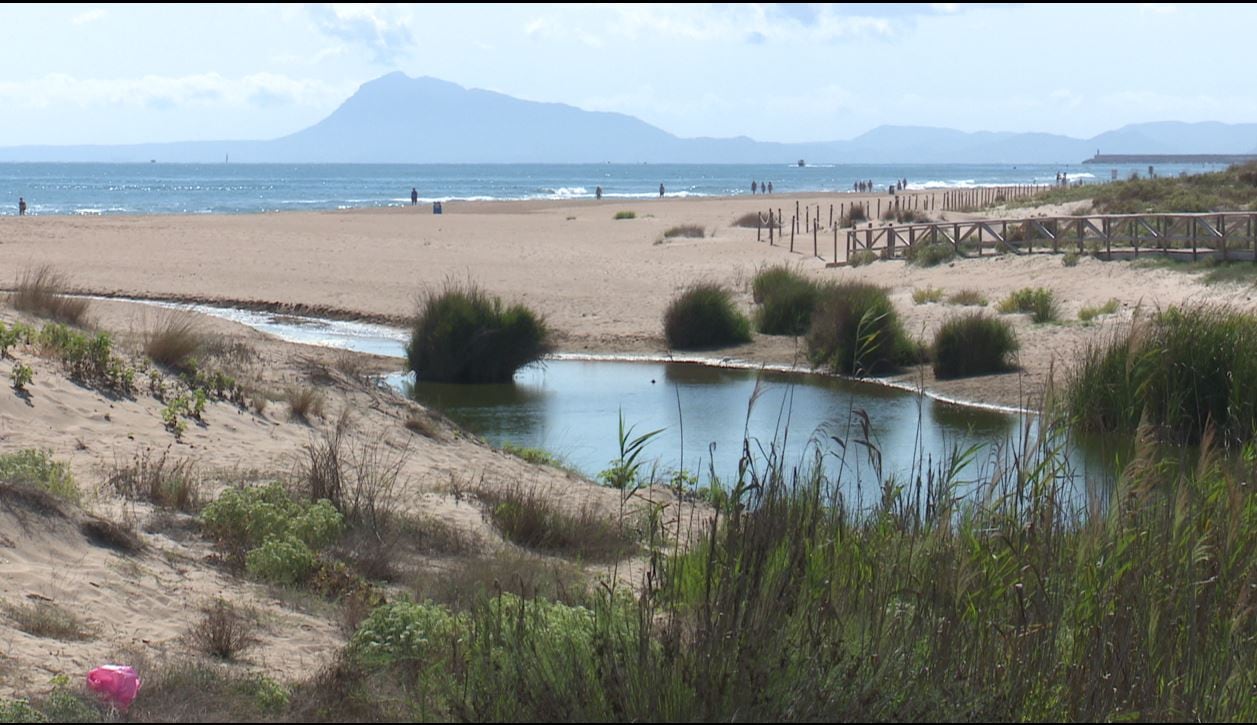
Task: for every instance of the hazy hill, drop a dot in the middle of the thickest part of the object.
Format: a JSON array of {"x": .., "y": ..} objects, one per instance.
[{"x": 397, "y": 119}]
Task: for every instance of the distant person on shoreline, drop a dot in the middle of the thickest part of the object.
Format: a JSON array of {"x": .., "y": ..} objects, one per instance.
[
  {"x": 770, "y": 187},
  {"x": 598, "y": 192},
  {"x": 754, "y": 187},
  {"x": 661, "y": 191},
  {"x": 414, "y": 197},
  {"x": 21, "y": 206}
]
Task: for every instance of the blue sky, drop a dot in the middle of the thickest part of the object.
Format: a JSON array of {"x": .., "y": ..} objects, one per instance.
[{"x": 774, "y": 72}]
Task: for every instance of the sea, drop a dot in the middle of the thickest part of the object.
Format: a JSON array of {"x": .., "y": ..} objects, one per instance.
[{"x": 163, "y": 188}]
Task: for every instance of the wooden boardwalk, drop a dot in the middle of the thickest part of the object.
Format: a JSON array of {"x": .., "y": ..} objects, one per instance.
[{"x": 1221, "y": 235}]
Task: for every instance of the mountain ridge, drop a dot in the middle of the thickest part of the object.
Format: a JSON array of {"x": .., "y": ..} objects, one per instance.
[{"x": 399, "y": 119}]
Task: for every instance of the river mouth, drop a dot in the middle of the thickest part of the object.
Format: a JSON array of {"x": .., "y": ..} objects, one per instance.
[{"x": 712, "y": 417}]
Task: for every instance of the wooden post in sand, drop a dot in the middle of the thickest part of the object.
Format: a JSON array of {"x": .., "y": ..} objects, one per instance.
[
  {"x": 794, "y": 222},
  {"x": 831, "y": 215},
  {"x": 879, "y": 207},
  {"x": 835, "y": 226},
  {"x": 816, "y": 226},
  {"x": 842, "y": 209},
  {"x": 759, "y": 223},
  {"x": 796, "y": 216},
  {"x": 807, "y": 219}
]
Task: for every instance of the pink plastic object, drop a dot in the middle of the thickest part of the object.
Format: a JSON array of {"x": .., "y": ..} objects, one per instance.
[{"x": 119, "y": 684}]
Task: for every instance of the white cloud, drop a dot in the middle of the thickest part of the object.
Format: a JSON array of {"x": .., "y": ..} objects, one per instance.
[
  {"x": 383, "y": 29},
  {"x": 1157, "y": 8},
  {"x": 90, "y": 16},
  {"x": 206, "y": 90}
]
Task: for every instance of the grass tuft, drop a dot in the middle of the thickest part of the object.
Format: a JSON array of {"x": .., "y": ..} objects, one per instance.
[
  {"x": 703, "y": 316},
  {"x": 1038, "y": 302},
  {"x": 42, "y": 292},
  {"x": 856, "y": 331},
  {"x": 973, "y": 344},
  {"x": 464, "y": 335}
]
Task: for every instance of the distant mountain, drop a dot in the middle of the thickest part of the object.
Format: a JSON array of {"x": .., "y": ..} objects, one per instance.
[{"x": 398, "y": 119}]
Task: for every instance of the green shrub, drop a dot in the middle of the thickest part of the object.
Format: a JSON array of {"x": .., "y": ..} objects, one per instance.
[
  {"x": 855, "y": 331},
  {"x": 21, "y": 376},
  {"x": 1038, "y": 302},
  {"x": 786, "y": 299},
  {"x": 407, "y": 632},
  {"x": 703, "y": 316},
  {"x": 863, "y": 257},
  {"x": 1070, "y": 259},
  {"x": 967, "y": 298},
  {"x": 1183, "y": 371},
  {"x": 853, "y": 215},
  {"x": 625, "y": 215},
  {"x": 273, "y": 534},
  {"x": 463, "y": 335},
  {"x": 36, "y": 468},
  {"x": 281, "y": 560},
  {"x": 88, "y": 359},
  {"x": 922, "y": 295},
  {"x": 930, "y": 255},
  {"x": 973, "y": 344}
]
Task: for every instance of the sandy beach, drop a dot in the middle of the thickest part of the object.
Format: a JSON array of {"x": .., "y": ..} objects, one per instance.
[{"x": 602, "y": 283}]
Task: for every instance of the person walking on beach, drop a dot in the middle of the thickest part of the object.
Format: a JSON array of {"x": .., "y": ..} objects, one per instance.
[
  {"x": 414, "y": 197},
  {"x": 754, "y": 187},
  {"x": 770, "y": 187},
  {"x": 21, "y": 206},
  {"x": 661, "y": 191},
  {"x": 598, "y": 192}
]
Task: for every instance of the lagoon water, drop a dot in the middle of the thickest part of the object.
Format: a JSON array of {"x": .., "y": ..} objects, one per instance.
[
  {"x": 572, "y": 408},
  {"x": 158, "y": 188}
]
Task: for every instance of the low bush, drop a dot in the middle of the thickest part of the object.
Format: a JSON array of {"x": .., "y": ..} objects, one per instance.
[
  {"x": 224, "y": 631},
  {"x": 37, "y": 469},
  {"x": 863, "y": 257},
  {"x": 973, "y": 344},
  {"x": 854, "y": 214},
  {"x": 305, "y": 403},
  {"x": 856, "y": 331},
  {"x": 704, "y": 316},
  {"x": 786, "y": 299},
  {"x": 930, "y": 255},
  {"x": 89, "y": 359},
  {"x": 45, "y": 619},
  {"x": 464, "y": 335},
  {"x": 1038, "y": 302},
  {"x": 270, "y": 533},
  {"x": 619, "y": 215}
]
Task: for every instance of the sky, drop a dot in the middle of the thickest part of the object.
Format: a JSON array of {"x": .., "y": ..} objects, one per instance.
[{"x": 107, "y": 74}]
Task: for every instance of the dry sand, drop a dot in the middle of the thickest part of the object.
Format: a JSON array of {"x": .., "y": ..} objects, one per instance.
[{"x": 603, "y": 284}]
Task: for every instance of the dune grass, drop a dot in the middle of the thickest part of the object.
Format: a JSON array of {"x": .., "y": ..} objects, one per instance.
[
  {"x": 856, "y": 331},
  {"x": 863, "y": 257},
  {"x": 1187, "y": 372},
  {"x": 462, "y": 334},
  {"x": 175, "y": 340},
  {"x": 48, "y": 620},
  {"x": 785, "y": 298},
  {"x": 752, "y": 219},
  {"x": 622, "y": 215},
  {"x": 925, "y": 295},
  {"x": 1089, "y": 313},
  {"x": 967, "y": 298},
  {"x": 42, "y": 292},
  {"x": 691, "y": 231},
  {"x": 1038, "y": 302},
  {"x": 703, "y": 316},
  {"x": 930, "y": 255},
  {"x": 529, "y": 518},
  {"x": 973, "y": 344}
]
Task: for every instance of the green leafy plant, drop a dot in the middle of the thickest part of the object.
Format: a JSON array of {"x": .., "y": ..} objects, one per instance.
[{"x": 22, "y": 375}]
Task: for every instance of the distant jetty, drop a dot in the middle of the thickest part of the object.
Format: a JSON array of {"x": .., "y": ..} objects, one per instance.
[{"x": 1171, "y": 158}]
